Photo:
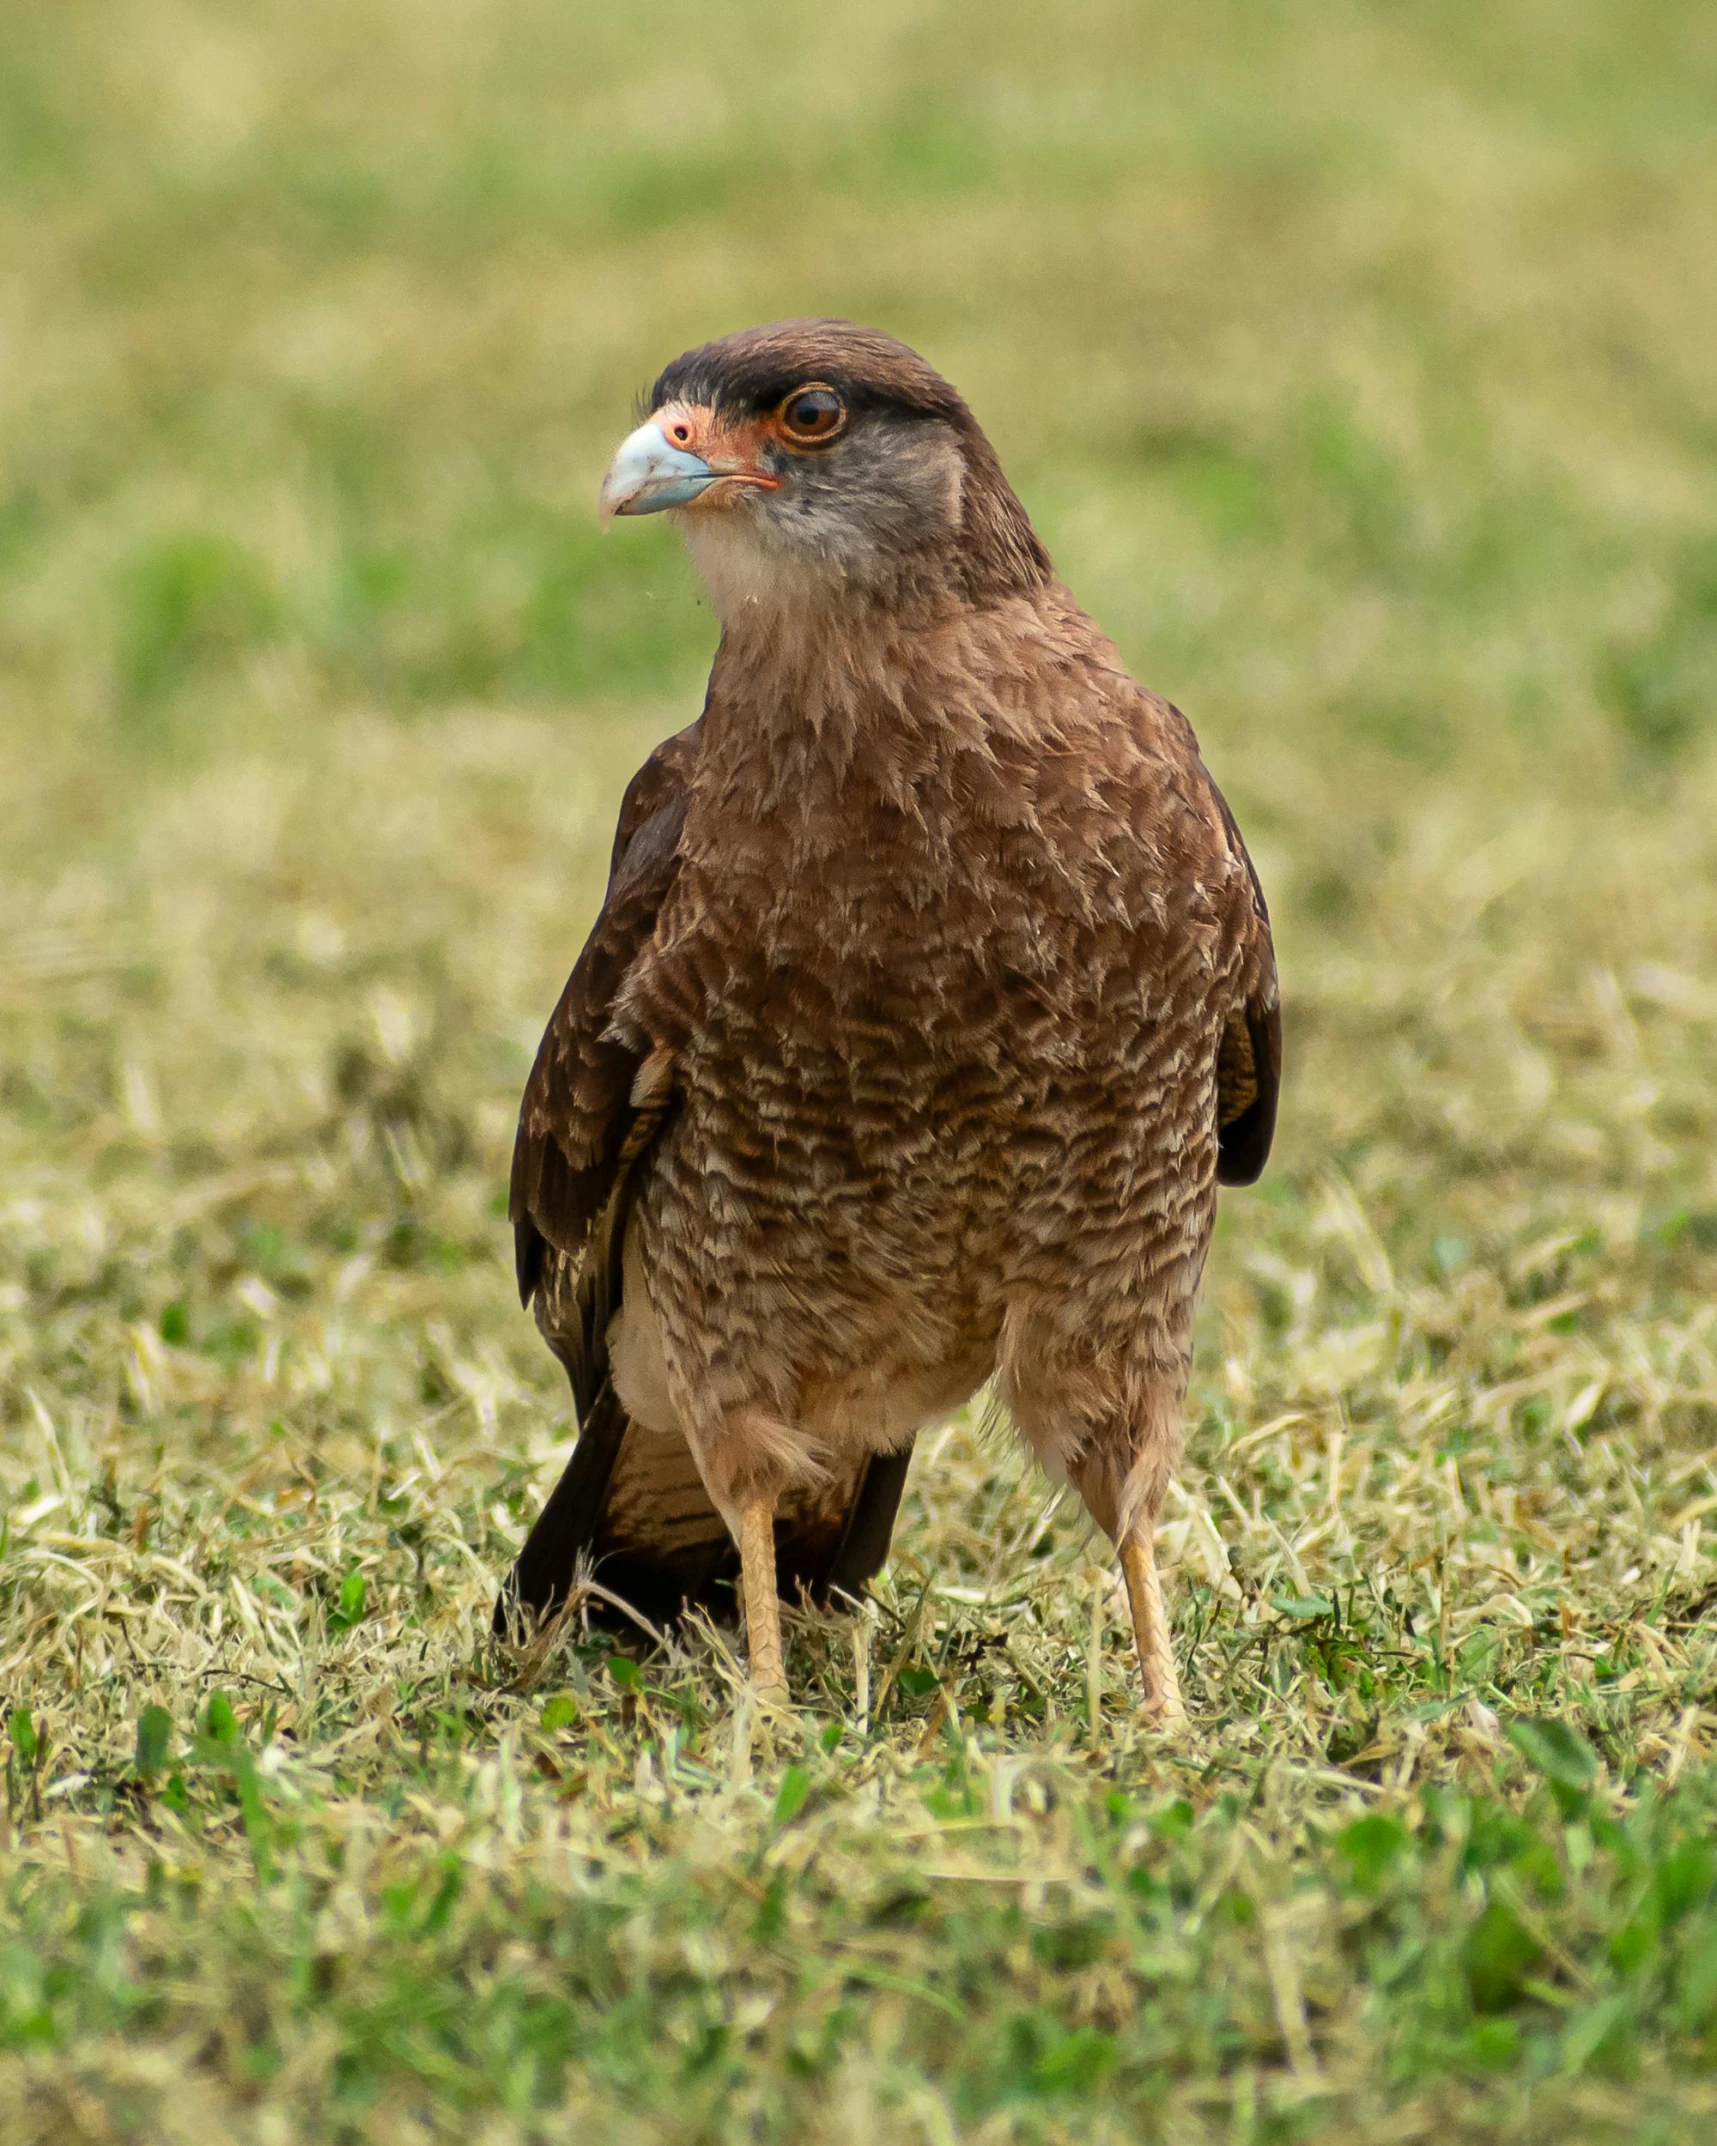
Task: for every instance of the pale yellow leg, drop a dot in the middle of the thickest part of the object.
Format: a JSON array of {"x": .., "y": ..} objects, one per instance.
[
  {"x": 762, "y": 1603},
  {"x": 1163, "y": 1705}
]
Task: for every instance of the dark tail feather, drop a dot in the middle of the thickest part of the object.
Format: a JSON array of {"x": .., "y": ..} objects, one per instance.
[
  {"x": 663, "y": 1549},
  {"x": 869, "y": 1529},
  {"x": 568, "y": 1524}
]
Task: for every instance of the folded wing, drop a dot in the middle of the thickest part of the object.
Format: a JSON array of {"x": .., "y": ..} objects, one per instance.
[
  {"x": 632, "y": 1506},
  {"x": 1249, "y": 1058}
]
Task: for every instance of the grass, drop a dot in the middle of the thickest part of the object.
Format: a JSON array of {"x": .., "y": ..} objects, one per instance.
[{"x": 1357, "y": 366}]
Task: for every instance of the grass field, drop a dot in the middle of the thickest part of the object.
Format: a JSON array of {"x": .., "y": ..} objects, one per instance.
[{"x": 1359, "y": 365}]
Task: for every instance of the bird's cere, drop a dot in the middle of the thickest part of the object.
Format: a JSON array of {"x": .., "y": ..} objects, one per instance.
[{"x": 649, "y": 473}]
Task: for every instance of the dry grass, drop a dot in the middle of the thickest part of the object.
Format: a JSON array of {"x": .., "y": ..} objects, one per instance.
[{"x": 1359, "y": 374}]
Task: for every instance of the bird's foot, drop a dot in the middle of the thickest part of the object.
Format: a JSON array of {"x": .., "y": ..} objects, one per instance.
[{"x": 1164, "y": 1711}]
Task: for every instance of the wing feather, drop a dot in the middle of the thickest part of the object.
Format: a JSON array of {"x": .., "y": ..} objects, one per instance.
[
  {"x": 573, "y": 1151},
  {"x": 1249, "y": 1055}
]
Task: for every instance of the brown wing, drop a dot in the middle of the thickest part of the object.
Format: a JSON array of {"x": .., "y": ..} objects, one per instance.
[
  {"x": 578, "y": 1110},
  {"x": 584, "y": 1134},
  {"x": 632, "y": 1505},
  {"x": 1249, "y": 1057}
]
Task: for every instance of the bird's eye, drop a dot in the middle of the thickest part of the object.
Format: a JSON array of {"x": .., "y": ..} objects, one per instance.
[{"x": 814, "y": 413}]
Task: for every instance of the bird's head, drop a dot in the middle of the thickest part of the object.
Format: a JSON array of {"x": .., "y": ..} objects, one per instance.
[{"x": 818, "y": 465}]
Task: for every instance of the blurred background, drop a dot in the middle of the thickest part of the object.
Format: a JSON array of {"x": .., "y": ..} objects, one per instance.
[
  {"x": 1358, "y": 363},
  {"x": 1356, "y": 360}
]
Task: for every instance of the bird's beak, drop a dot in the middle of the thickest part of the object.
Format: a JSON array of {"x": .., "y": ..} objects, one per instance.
[{"x": 650, "y": 471}]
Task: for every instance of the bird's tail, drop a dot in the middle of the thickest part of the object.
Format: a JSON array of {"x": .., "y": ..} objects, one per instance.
[{"x": 631, "y": 1509}]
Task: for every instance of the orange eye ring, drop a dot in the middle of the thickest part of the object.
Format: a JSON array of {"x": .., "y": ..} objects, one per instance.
[{"x": 812, "y": 415}]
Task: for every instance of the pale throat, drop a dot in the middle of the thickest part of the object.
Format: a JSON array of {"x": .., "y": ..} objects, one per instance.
[
  {"x": 810, "y": 612},
  {"x": 756, "y": 584}
]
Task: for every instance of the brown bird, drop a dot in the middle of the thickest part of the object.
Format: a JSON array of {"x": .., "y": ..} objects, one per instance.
[{"x": 932, "y": 997}]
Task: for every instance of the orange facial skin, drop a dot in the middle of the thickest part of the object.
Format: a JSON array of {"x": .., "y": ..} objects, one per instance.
[{"x": 733, "y": 450}]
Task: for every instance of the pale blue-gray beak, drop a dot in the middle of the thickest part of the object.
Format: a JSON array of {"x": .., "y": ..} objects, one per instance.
[{"x": 648, "y": 474}]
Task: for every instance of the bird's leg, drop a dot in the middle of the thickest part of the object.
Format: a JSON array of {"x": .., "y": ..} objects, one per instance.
[
  {"x": 762, "y": 1603},
  {"x": 1163, "y": 1705}
]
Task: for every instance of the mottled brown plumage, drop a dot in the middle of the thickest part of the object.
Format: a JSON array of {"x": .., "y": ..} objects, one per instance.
[{"x": 932, "y": 996}]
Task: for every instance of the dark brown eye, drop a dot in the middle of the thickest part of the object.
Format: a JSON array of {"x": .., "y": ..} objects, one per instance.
[{"x": 813, "y": 413}]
